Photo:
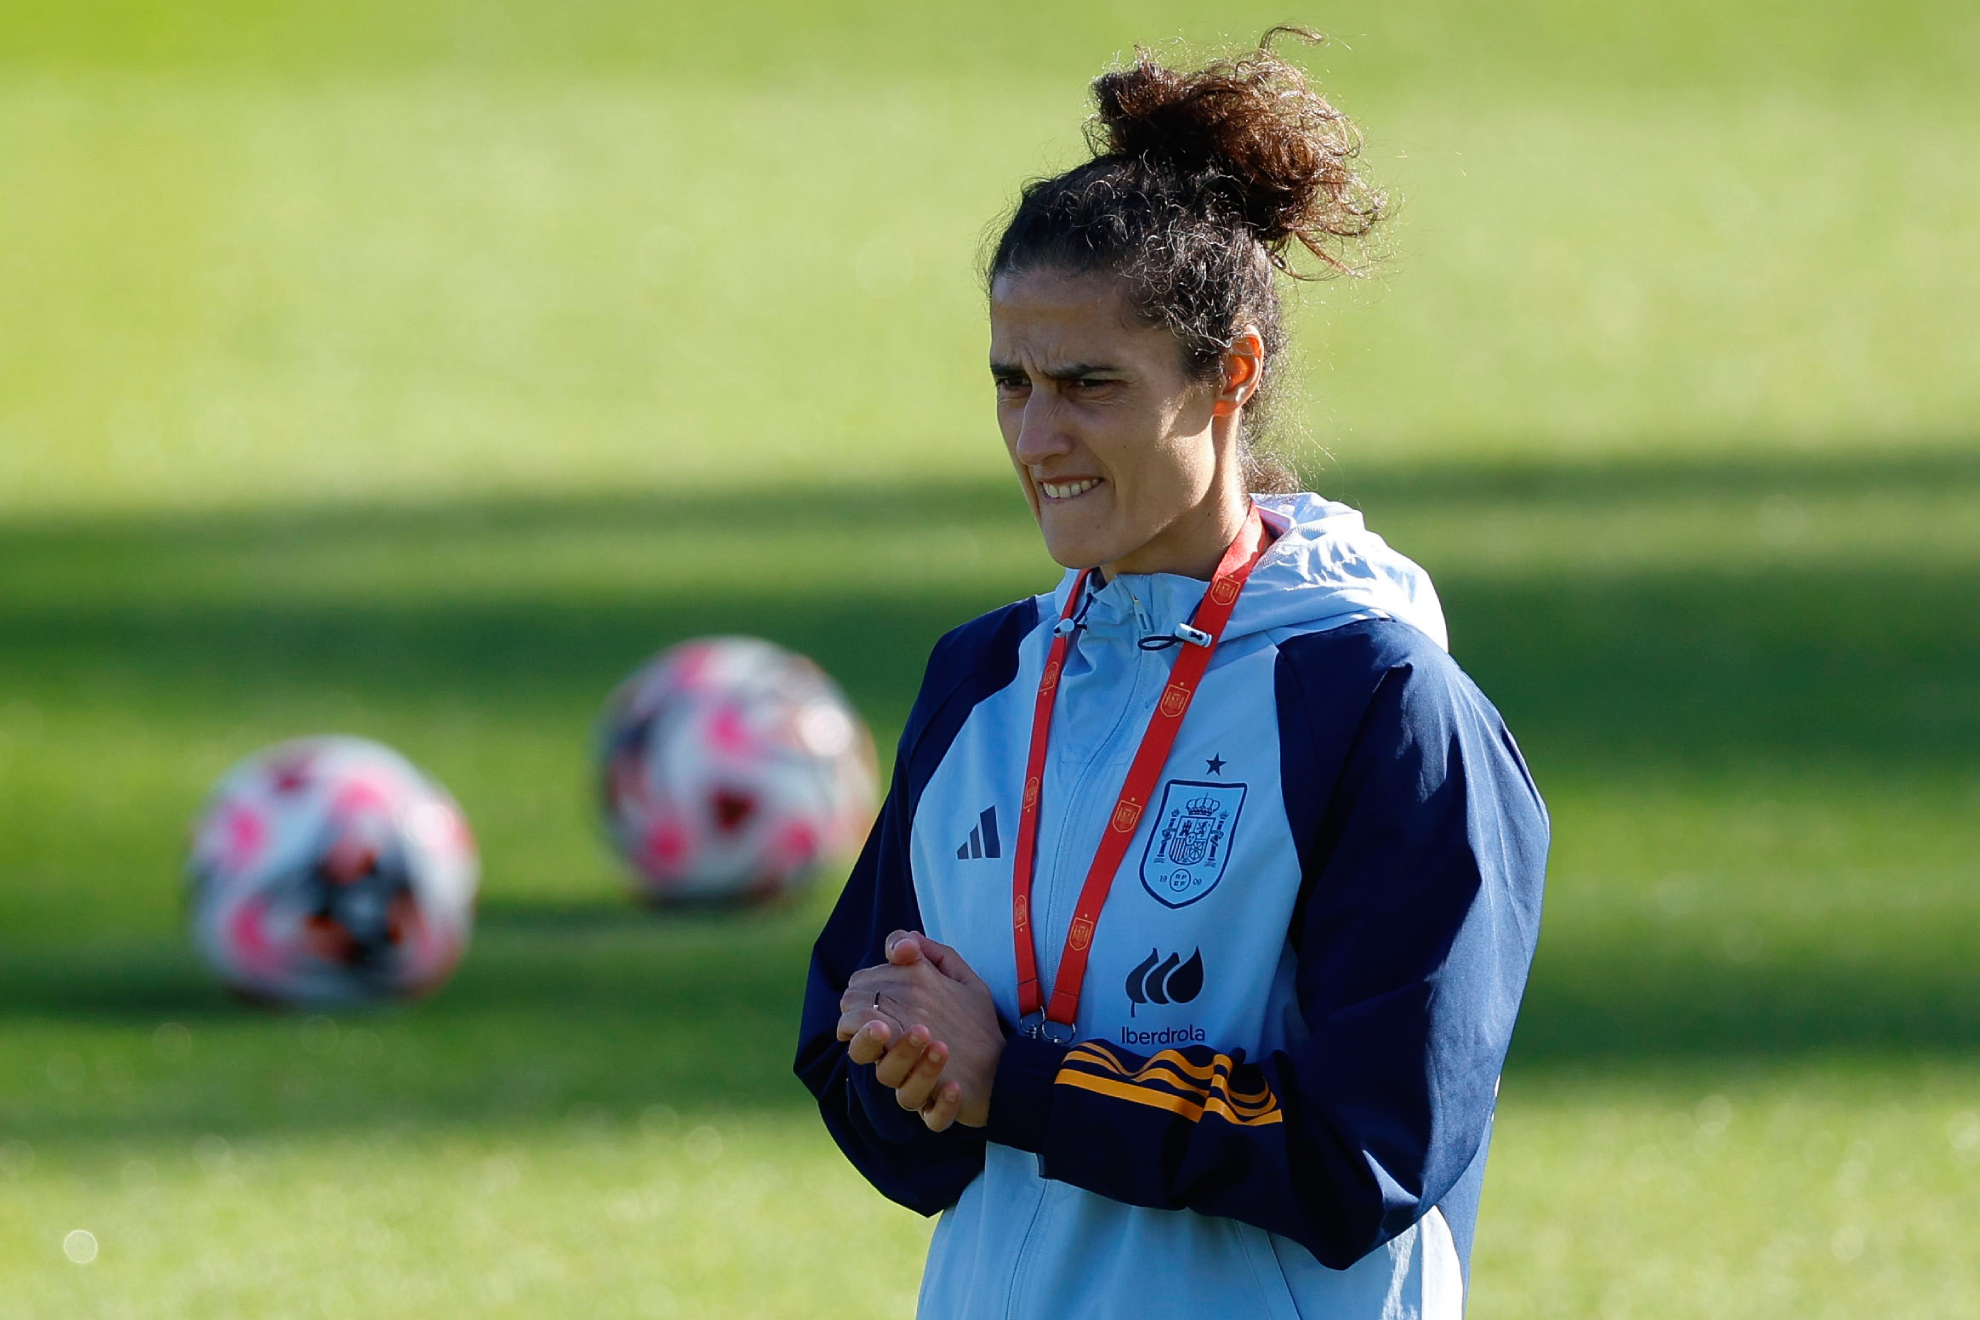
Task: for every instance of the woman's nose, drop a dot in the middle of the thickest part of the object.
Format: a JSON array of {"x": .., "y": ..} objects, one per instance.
[{"x": 1041, "y": 430}]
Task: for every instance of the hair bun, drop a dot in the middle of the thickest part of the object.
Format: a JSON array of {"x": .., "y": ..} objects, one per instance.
[{"x": 1251, "y": 134}]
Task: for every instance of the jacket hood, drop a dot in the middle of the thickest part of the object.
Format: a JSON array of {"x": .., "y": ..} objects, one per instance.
[{"x": 1325, "y": 570}]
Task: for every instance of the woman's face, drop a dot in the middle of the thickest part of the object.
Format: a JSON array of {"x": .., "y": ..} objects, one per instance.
[{"x": 1121, "y": 454}]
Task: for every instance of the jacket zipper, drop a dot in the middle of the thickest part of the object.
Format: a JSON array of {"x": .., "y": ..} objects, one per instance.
[
  {"x": 1020, "y": 1265},
  {"x": 1021, "y": 1261},
  {"x": 1083, "y": 794}
]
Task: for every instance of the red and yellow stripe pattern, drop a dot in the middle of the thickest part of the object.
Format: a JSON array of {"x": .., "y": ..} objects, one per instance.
[{"x": 1170, "y": 1081}]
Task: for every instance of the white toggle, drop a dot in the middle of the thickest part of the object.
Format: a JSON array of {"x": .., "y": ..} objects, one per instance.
[
  {"x": 1194, "y": 636},
  {"x": 1064, "y": 627}
]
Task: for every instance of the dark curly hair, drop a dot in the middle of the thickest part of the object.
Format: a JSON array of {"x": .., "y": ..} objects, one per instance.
[{"x": 1203, "y": 186}]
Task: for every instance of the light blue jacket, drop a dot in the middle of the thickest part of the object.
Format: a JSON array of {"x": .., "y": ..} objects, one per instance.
[{"x": 1300, "y": 993}]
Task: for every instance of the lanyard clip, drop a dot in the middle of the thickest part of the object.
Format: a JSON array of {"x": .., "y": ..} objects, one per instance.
[
  {"x": 1194, "y": 636},
  {"x": 1039, "y": 1027}
]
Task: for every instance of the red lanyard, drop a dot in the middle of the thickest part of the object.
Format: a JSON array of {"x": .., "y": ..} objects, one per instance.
[{"x": 1056, "y": 1021}]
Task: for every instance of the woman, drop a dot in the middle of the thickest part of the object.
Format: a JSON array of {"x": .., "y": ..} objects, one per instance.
[{"x": 1180, "y": 966}]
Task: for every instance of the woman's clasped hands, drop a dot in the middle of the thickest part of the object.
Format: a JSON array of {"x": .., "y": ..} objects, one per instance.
[{"x": 929, "y": 1027}]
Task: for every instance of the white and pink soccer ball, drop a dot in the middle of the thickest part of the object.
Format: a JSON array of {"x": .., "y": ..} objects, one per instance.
[
  {"x": 330, "y": 871},
  {"x": 730, "y": 769}
]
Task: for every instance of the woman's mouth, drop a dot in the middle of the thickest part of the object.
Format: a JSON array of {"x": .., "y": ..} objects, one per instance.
[{"x": 1067, "y": 490}]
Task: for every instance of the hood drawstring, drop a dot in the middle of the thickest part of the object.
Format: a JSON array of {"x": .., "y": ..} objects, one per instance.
[
  {"x": 1072, "y": 627},
  {"x": 1184, "y": 635},
  {"x": 1324, "y": 570}
]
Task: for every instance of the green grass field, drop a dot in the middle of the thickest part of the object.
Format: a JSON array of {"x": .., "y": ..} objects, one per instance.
[{"x": 414, "y": 370}]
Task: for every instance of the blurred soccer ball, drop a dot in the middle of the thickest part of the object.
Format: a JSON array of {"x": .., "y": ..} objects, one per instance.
[
  {"x": 729, "y": 769},
  {"x": 331, "y": 871}
]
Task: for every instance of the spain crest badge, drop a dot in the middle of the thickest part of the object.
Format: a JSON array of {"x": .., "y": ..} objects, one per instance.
[{"x": 1191, "y": 842}]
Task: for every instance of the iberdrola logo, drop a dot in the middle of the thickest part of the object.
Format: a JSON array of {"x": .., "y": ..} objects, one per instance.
[{"x": 1159, "y": 980}]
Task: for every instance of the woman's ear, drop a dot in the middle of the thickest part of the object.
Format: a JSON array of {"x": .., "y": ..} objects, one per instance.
[{"x": 1244, "y": 368}]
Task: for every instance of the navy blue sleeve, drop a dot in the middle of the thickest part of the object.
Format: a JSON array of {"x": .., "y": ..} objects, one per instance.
[
  {"x": 1422, "y": 845},
  {"x": 891, "y": 1146}
]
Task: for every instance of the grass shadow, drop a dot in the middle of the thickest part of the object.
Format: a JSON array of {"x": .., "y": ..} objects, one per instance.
[{"x": 1788, "y": 670}]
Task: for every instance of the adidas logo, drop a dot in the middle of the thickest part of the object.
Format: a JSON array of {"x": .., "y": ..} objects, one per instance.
[{"x": 982, "y": 839}]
